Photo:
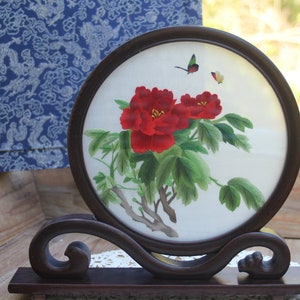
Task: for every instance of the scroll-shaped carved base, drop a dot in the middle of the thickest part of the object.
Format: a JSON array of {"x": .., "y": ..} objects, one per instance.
[{"x": 44, "y": 264}]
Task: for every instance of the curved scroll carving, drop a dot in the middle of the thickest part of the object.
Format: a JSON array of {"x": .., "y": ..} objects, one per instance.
[{"x": 204, "y": 267}]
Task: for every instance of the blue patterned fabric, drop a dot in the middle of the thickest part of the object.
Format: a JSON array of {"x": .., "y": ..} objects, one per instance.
[{"x": 47, "y": 50}]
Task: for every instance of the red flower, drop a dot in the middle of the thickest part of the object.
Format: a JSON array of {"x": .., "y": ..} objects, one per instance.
[
  {"x": 153, "y": 116},
  {"x": 204, "y": 106}
]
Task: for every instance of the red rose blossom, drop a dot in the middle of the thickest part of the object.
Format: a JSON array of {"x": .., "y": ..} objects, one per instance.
[
  {"x": 153, "y": 116},
  {"x": 204, "y": 106}
]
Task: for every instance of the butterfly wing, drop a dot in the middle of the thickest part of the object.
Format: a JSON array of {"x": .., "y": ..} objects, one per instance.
[
  {"x": 192, "y": 61},
  {"x": 192, "y": 66},
  {"x": 217, "y": 76}
]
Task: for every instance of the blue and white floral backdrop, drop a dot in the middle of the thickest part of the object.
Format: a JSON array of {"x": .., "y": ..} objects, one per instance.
[{"x": 47, "y": 50}]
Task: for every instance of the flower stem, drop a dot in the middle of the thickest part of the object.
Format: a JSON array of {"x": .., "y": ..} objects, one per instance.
[{"x": 216, "y": 181}]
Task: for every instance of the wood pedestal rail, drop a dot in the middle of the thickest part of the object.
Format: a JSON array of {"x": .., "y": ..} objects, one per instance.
[
  {"x": 140, "y": 283},
  {"x": 160, "y": 275}
]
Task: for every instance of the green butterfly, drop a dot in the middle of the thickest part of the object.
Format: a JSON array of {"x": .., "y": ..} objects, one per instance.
[{"x": 192, "y": 66}]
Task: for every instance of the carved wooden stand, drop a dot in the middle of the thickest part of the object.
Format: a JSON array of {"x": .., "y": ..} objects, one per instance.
[{"x": 160, "y": 275}]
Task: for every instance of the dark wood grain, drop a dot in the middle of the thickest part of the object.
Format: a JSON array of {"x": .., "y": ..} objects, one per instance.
[{"x": 138, "y": 282}]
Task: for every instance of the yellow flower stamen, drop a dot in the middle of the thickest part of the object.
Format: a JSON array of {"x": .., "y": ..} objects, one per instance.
[{"x": 156, "y": 113}]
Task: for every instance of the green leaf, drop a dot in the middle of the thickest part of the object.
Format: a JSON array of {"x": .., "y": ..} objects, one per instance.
[
  {"x": 100, "y": 180},
  {"x": 112, "y": 137},
  {"x": 149, "y": 191},
  {"x": 251, "y": 195},
  {"x": 237, "y": 140},
  {"x": 98, "y": 139},
  {"x": 109, "y": 182},
  {"x": 148, "y": 169},
  {"x": 109, "y": 143},
  {"x": 127, "y": 179},
  {"x": 238, "y": 122},
  {"x": 104, "y": 186},
  {"x": 183, "y": 172},
  {"x": 199, "y": 169},
  {"x": 182, "y": 135},
  {"x": 109, "y": 196},
  {"x": 227, "y": 133},
  {"x": 242, "y": 142},
  {"x": 137, "y": 157},
  {"x": 122, "y": 104},
  {"x": 194, "y": 146},
  {"x": 230, "y": 196},
  {"x": 122, "y": 163},
  {"x": 123, "y": 158},
  {"x": 99, "y": 177},
  {"x": 188, "y": 171},
  {"x": 165, "y": 168},
  {"x": 175, "y": 150},
  {"x": 209, "y": 135},
  {"x": 124, "y": 138},
  {"x": 186, "y": 193}
]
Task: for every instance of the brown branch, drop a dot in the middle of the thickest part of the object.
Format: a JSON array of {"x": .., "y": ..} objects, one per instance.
[
  {"x": 172, "y": 197},
  {"x": 166, "y": 207},
  {"x": 149, "y": 211},
  {"x": 156, "y": 225}
]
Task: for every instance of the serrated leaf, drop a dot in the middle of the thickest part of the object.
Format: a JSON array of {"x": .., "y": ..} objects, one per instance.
[
  {"x": 149, "y": 191},
  {"x": 186, "y": 193},
  {"x": 227, "y": 133},
  {"x": 183, "y": 172},
  {"x": 209, "y": 135},
  {"x": 98, "y": 140},
  {"x": 122, "y": 104},
  {"x": 190, "y": 170},
  {"x": 99, "y": 177},
  {"x": 165, "y": 169},
  {"x": 100, "y": 181},
  {"x": 251, "y": 195},
  {"x": 111, "y": 143},
  {"x": 199, "y": 169},
  {"x": 106, "y": 194},
  {"x": 242, "y": 142},
  {"x": 148, "y": 169},
  {"x": 230, "y": 196},
  {"x": 109, "y": 196},
  {"x": 238, "y": 122}
]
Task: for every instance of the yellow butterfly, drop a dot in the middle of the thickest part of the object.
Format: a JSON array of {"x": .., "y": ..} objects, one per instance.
[{"x": 218, "y": 77}]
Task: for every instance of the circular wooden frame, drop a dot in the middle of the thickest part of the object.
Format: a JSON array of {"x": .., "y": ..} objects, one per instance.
[{"x": 172, "y": 35}]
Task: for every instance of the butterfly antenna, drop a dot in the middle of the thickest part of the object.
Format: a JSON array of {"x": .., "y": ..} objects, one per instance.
[{"x": 186, "y": 70}]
